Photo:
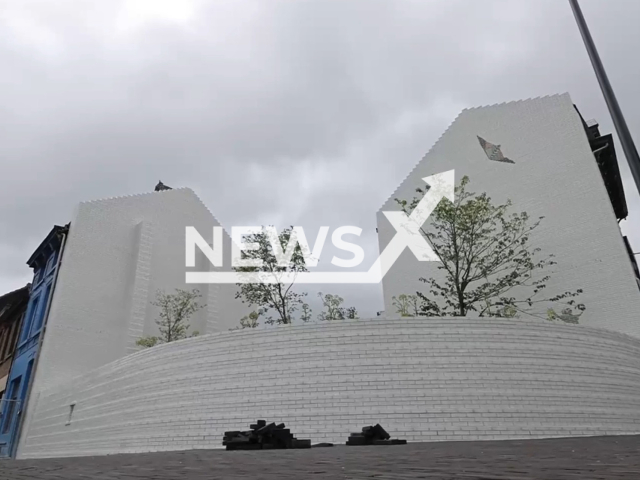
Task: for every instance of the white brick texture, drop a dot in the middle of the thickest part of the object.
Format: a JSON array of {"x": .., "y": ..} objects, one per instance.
[
  {"x": 422, "y": 379},
  {"x": 119, "y": 252},
  {"x": 555, "y": 176}
]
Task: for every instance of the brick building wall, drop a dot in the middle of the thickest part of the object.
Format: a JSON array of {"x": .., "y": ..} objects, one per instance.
[
  {"x": 119, "y": 252},
  {"x": 422, "y": 379},
  {"x": 555, "y": 176}
]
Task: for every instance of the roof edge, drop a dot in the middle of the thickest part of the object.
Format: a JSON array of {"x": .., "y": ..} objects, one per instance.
[
  {"x": 56, "y": 230},
  {"x": 120, "y": 197}
]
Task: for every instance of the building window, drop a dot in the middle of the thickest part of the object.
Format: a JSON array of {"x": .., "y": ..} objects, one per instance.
[
  {"x": 11, "y": 407},
  {"x": 14, "y": 333},
  {"x": 39, "y": 314},
  {"x": 50, "y": 263},
  {"x": 31, "y": 315},
  {"x": 37, "y": 277}
]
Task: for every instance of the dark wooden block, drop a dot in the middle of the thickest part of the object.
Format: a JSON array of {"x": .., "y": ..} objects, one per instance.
[
  {"x": 237, "y": 440},
  {"x": 389, "y": 442},
  {"x": 245, "y": 446},
  {"x": 381, "y": 442},
  {"x": 234, "y": 441},
  {"x": 232, "y": 437},
  {"x": 301, "y": 444},
  {"x": 266, "y": 429},
  {"x": 380, "y": 432},
  {"x": 357, "y": 441},
  {"x": 271, "y": 446}
]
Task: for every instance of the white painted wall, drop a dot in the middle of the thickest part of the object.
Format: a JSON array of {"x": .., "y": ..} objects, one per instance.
[
  {"x": 556, "y": 176},
  {"x": 119, "y": 252},
  {"x": 422, "y": 379}
]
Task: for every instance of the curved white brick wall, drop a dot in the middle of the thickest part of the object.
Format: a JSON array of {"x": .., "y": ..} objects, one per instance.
[{"x": 422, "y": 379}]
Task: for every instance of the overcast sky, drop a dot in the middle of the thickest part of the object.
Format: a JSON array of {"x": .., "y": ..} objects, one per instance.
[{"x": 305, "y": 112}]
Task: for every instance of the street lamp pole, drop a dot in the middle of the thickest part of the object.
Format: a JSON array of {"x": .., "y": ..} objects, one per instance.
[{"x": 626, "y": 140}]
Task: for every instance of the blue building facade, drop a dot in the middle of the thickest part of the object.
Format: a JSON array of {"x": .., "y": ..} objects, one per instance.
[{"x": 45, "y": 263}]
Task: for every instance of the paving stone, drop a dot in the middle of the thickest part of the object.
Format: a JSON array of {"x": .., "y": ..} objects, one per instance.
[{"x": 609, "y": 458}]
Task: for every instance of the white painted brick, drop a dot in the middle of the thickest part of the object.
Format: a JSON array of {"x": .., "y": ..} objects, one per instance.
[
  {"x": 555, "y": 175},
  {"x": 118, "y": 252},
  {"x": 540, "y": 380}
]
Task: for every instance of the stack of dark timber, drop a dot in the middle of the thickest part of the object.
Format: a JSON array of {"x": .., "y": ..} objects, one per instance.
[
  {"x": 263, "y": 437},
  {"x": 373, "y": 436}
]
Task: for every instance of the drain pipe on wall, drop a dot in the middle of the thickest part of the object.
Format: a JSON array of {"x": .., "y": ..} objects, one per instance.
[{"x": 34, "y": 371}]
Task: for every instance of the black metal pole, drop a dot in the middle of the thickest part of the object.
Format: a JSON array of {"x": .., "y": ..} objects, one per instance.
[{"x": 626, "y": 140}]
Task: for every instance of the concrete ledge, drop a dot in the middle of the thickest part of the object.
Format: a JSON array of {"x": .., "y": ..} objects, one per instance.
[{"x": 423, "y": 379}]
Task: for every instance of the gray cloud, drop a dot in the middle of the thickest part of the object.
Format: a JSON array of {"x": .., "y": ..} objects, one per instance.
[{"x": 279, "y": 112}]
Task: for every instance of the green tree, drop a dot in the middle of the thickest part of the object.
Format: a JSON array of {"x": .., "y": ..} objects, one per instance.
[
  {"x": 407, "y": 305},
  {"x": 250, "y": 321},
  {"x": 148, "y": 342},
  {"x": 306, "y": 313},
  {"x": 175, "y": 310},
  {"x": 350, "y": 313},
  {"x": 278, "y": 300},
  {"x": 489, "y": 266},
  {"x": 567, "y": 315},
  {"x": 333, "y": 309}
]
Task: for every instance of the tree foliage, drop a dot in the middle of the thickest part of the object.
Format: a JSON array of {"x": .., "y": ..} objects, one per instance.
[
  {"x": 305, "y": 316},
  {"x": 333, "y": 309},
  {"x": 175, "y": 310},
  {"x": 251, "y": 320},
  {"x": 489, "y": 266},
  {"x": 407, "y": 305},
  {"x": 148, "y": 342},
  {"x": 278, "y": 300}
]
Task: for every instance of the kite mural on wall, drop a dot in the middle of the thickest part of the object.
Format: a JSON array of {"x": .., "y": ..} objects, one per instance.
[{"x": 493, "y": 151}]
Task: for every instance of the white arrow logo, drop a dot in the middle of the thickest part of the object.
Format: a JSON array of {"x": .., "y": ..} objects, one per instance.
[
  {"x": 407, "y": 228},
  {"x": 442, "y": 185}
]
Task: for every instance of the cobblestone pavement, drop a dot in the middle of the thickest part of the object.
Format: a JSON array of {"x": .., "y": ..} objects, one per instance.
[{"x": 606, "y": 458}]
